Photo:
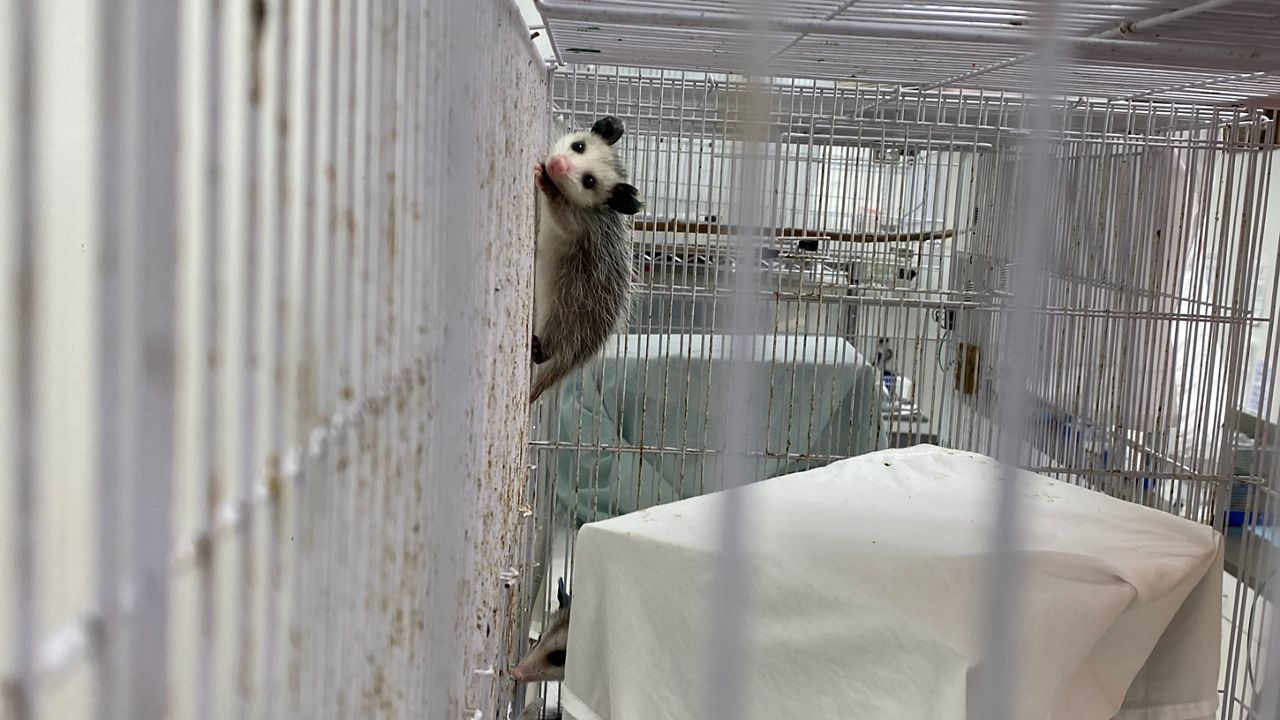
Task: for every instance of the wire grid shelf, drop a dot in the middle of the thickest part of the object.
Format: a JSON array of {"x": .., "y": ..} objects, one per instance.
[{"x": 1215, "y": 51}]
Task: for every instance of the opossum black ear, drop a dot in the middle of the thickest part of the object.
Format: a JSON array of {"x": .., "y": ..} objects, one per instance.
[
  {"x": 609, "y": 127},
  {"x": 625, "y": 199},
  {"x": 561, "y": 595}
]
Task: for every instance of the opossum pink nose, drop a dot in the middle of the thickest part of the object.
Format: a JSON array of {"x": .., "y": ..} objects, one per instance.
[
  {"x": 559, "y": 166},
  {"x": 518, "y": 674}
]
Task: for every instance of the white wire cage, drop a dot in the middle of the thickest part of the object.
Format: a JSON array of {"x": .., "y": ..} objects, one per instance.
[
  {"x": 270, "y": 262},
  {"x": 885, "y": 269},
  {"x": 891, "y": 230}
]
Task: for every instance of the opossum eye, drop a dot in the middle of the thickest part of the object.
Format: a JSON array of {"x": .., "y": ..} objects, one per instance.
[
  {"x": 556, "y": 658},
  {"x": 579, "y": 147},
  {"x": 588, "y": 181}
]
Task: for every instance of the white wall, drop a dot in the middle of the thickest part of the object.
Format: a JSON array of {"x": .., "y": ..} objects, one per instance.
[
  {"x": 1265, "y": 305},
  {"x": 1225, "y": 245}
]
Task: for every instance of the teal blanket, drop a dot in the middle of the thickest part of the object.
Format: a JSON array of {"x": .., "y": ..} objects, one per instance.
[{"x": 631, "y": 429}]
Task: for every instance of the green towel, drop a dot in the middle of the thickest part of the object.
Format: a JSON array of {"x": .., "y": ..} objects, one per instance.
[{"x": 654, "y": 392}]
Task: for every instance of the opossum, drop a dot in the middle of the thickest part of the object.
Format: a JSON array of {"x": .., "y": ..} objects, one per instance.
[
  {"x": 545, "y": 660},
  {"x": 582, "y": 272}
]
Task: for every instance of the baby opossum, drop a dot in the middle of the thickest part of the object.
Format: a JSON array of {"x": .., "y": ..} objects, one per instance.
[
  {"x": 545, "y": 660},
  {"x": 582, "y": 271}
]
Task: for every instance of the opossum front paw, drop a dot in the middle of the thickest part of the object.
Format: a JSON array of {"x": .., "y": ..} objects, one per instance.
[
  {"x": 536, "y": 351},
  {"x": 542, "y": 180}
]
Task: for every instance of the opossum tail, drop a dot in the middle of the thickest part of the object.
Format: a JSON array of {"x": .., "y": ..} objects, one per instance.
[{"x": 552, "y": 372}]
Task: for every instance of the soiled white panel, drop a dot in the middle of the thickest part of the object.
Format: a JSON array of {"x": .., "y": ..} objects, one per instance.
[{"x": 271, "y": 265}]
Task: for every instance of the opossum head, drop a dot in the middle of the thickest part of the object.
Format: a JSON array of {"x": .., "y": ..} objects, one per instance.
[
  {"x": 545, "y": 660},
  {"x": 583, "y": 170}
]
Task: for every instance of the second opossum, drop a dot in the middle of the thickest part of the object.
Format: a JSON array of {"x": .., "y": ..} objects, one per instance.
[
  {"x": 582, "y": 272},
  {"x": 545, "y": 660}
]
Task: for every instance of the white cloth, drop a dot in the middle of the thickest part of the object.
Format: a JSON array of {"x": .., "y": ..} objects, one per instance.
[{"x": 867, "y": 582}]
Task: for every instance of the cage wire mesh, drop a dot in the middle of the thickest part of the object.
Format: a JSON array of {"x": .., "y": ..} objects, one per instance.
[
  {"x": 887, "y": 264},
  {"x": 270, "y": 265}
]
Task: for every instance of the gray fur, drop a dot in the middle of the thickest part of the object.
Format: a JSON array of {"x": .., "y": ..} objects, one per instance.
[
  {"x": 585, "y": 252},
  {"x": 536, "y": 665}
]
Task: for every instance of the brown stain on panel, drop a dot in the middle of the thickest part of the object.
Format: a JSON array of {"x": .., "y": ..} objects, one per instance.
[{"x": 258, "y": 23}]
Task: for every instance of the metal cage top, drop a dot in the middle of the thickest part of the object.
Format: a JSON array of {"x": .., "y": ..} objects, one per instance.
[{"x": 1221, "y": 52}]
